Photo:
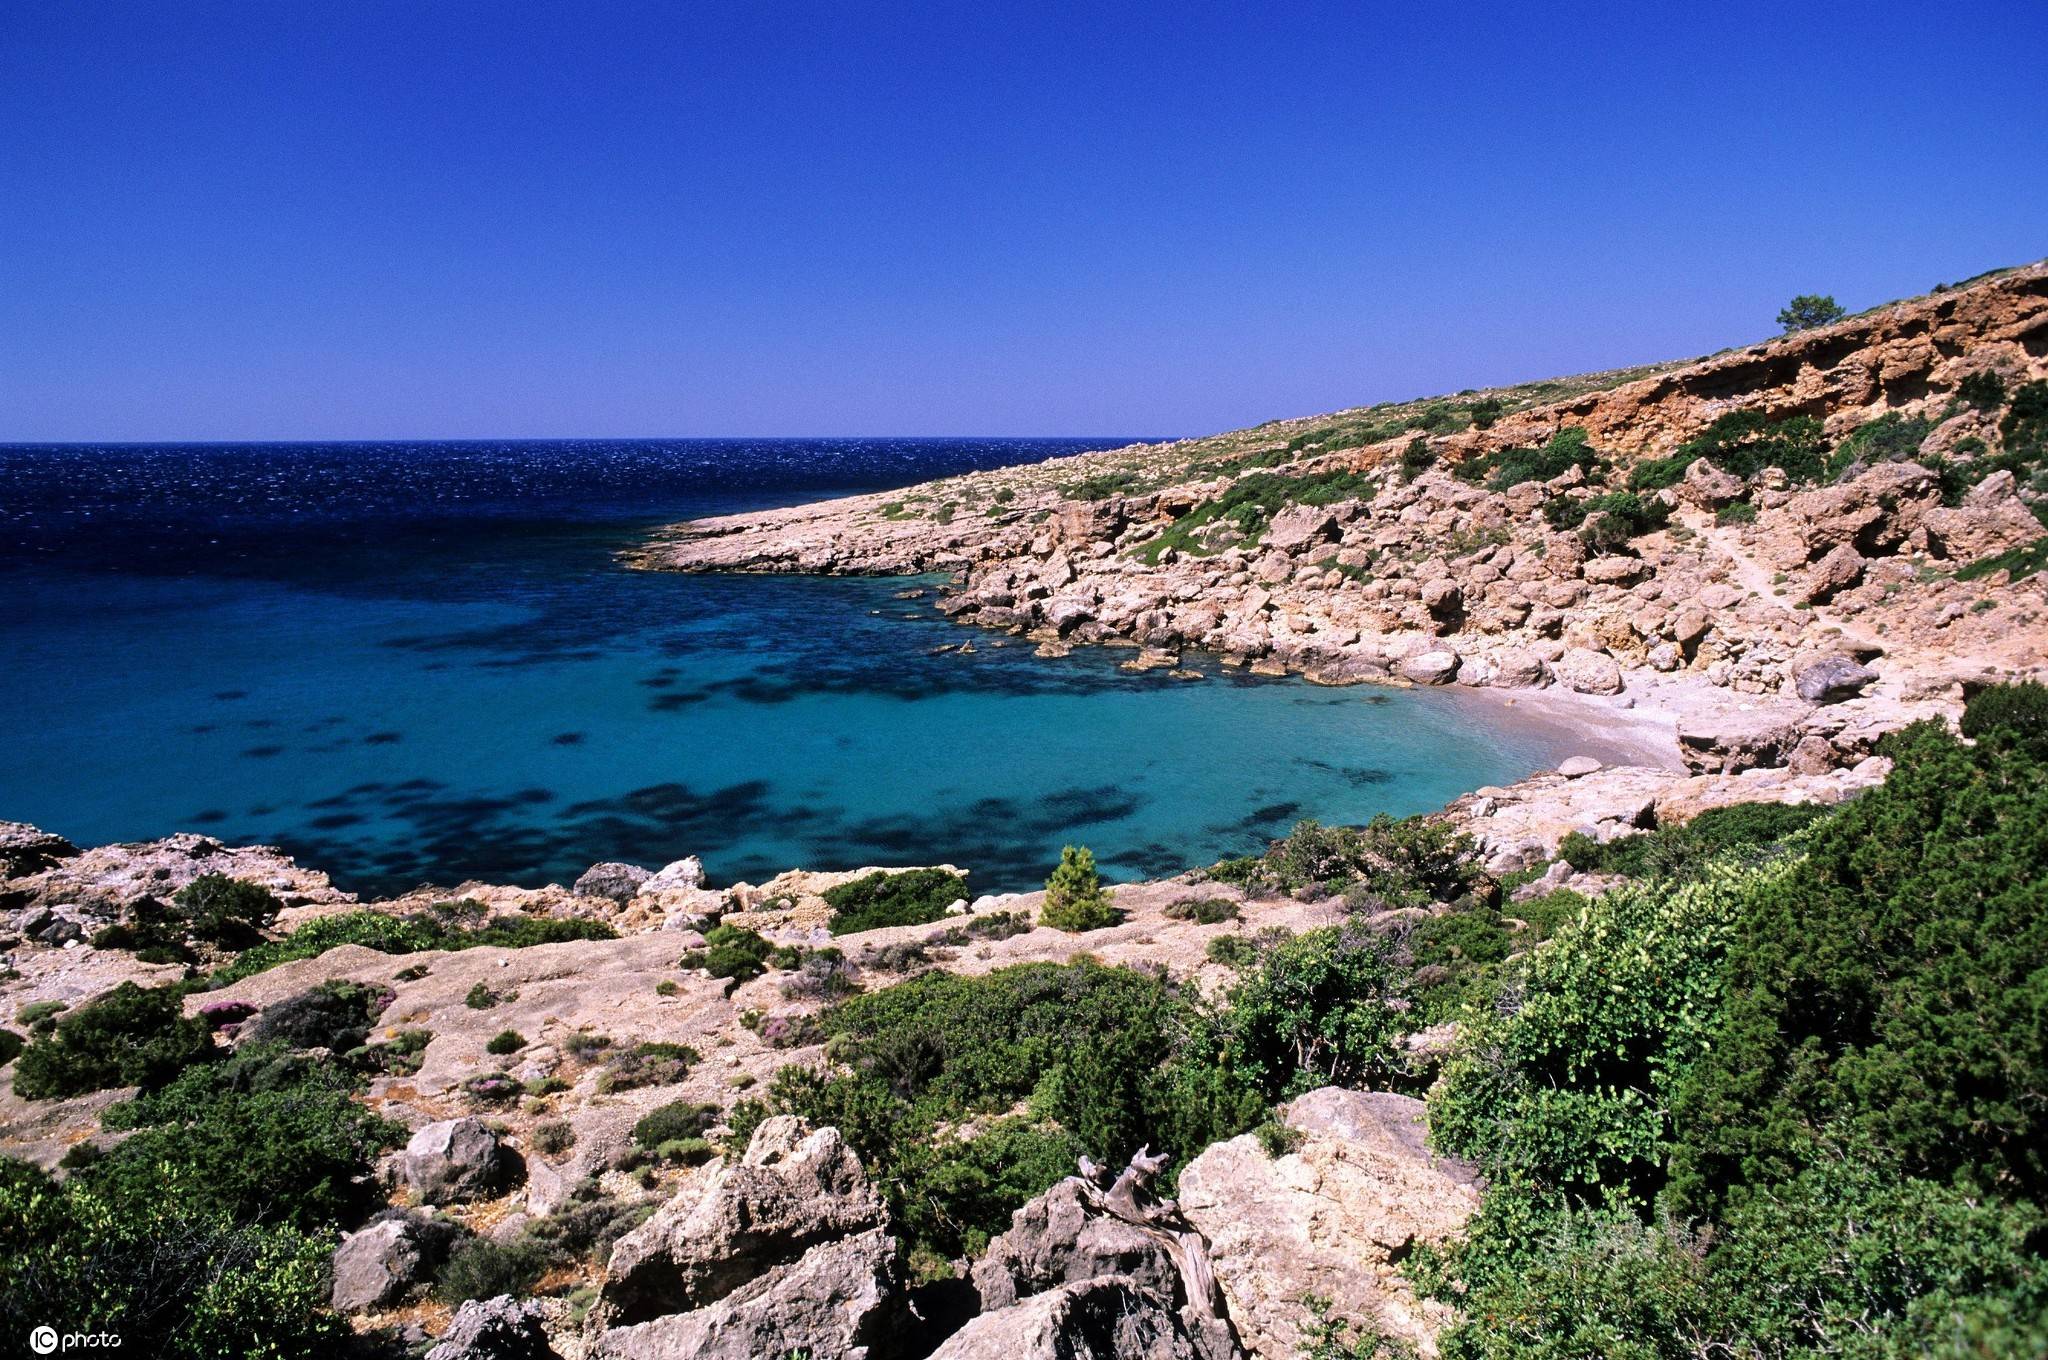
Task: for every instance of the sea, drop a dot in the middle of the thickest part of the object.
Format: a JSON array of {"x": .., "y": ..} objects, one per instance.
[{"x": 422, "y": 662}]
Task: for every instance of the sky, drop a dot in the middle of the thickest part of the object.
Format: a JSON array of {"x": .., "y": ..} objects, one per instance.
[{"x": 352, "y": 219}]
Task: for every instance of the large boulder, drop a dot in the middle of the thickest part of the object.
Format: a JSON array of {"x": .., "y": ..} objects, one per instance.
[
  {"x": 685, "y": 873},
  {"x": 1587, "y": 671},
  {"x": 1831, "y": 678},
  {"x": 1299, "y": 525},
  {"x": 502, "y": 1328},
  {"x": 613, "y": 880},
  {"x": 1708, "y": 486},
  {"x": 786, "y": 1250},
  {"x": 1111, "y": 1318},
  {"x": 455, "y": 1160},
  {"x": 1431, "y": 668},
  {"x": 377, "y": 1266},
  {"x": 1330, "y": 1220},
  {"x": 840, "y": 1298}
]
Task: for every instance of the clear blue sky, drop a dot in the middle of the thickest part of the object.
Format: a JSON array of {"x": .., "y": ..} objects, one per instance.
[{"x": 356, "y": 219}]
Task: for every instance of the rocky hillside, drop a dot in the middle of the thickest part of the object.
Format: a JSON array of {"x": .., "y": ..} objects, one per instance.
[{"x": 1649, "y": 1059}]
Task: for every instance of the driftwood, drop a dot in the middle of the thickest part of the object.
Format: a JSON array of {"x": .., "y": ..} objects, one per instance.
[{"x": 1205, "y": 1315}]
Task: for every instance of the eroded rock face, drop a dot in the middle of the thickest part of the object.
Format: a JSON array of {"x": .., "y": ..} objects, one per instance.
[
  {"x": 107, "y": 879},
  {"x": 26, "y": 849},
  {"x": 785, "y": 1250},
  {"x": 1110, "y": 1318},
  {"x": 1331, "y": 1219},
  {"x": 454, "y": 1160}
]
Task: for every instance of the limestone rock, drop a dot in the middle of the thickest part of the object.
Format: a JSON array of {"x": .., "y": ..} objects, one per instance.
[
  {"x": 1431, "y": 668},
  {"x": 495, "y": 1329},
  {"x": 1578, "y": 767},
  {"x": 611, "y": 879},
  {"x": 454, "y": 1160},
  {"x": 1110, "y": 1318},
  {"x": 790, "y": 1192},
  {"x": 1298, "y": 525},
  {"x": 1708, "y": 486},
  {"x": 687, "y": 872},
  {"x": 1587, "y": 671},
  {"x": 377, "y": 1266},
  {"x": 26, "y": 849},
  {"x": 841, "y": 1298},
  {"x": 1331, "y": 1219},
  {"x": 1831, "y": 679}
]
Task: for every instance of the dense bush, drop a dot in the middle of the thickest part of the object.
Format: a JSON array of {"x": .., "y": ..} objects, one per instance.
[
  {"x": 649, "y": 1064},
  {"x": 1786, "y": 1109},
  {"x": 2015, "y": 713},
  {"x": 1744, "y": 443},
  {"x": 1412, "y": 862},
  {"x": 1891, "y": 438},
  {"x": 265, "y": 1136},
  {"x": 1682, "y": 851},
  {"x": 1984, "y": 390},
  {"x": 1096, "y": 1055},
  {"x": 226, "y": 911},
  {"x": 11, "y": 1045},
  {"x": 504, "y": 1042},
  {"x": 1508, "y": 468},
  {"x": 1608, "y": 523},
  {"x": 730, "y": 952},
  {"x": 1074, "y": 900},
  {"x": 1325, "y": 1008},
  {"x": 171, "y": 1279},
  {"x": 912, "y": 897},
  {"x": 677, "y": 1119},
  {"x": 129, "y": 1037},
  {"x": 333, "y": 1015},
  {"x": 481, "y": 1269}
]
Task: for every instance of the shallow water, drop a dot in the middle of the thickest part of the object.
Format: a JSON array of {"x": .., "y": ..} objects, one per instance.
[{"x": 414, "y": 662}]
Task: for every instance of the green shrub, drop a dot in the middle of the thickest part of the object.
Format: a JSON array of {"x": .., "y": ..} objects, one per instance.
[
  {"x": 505, "y": 1041},
  {"x": 1744, "y": 443},
  {"x": 2017, "y": 563},
  {"x": 912, "y": 897},
  {"x": 1417, "y": 458},
  {"x": 333, "y": 1015},
  {"x": 677, "y": 1119},
  {"x": 265, "y": 1136},
  {"x": 1809, "y": 310},
  {"x": 730, "y": 952},
  {"x": 1891, "y": 438},
  {"x": 650, "y": 1064},
  {"x": 1324, "y": 1008},
  {"x": 1984, "y": 390},
  {"x": 1232, "y": 951},
  {"x": 1683, "y": 851},
  {"x": 1074, "y": 900},
  {"x": 1250, "y": 503},
  {"x": 226, "y": 911},
  {"x": 481, "y": 997},
  {"x": 129, "y": 1037},
  {"x": 1736, "y": 512},
  {"x": 1508, "y": 468},
  {"x": 1099, "y": 1057},
  {"x": 1611, "y": 521},
  {"x": 552, "y": 1137},
  {"x": 1487, "y": 411},
  {"x": 1412, "y": 862},
  {"x": 1203, "y": 911},
  {"x": 481, "y": 1269},
  {"x": 11, "y": 1045},
  {"x": 171, "y": 1279},
  {"x": 1785, "y": 1109},
  {"x": 41, "y": 1016},
  {"x": 2016, "y": 712}
]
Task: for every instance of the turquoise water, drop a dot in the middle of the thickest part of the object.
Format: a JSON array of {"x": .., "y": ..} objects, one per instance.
[{"x": 483, "y": 692}]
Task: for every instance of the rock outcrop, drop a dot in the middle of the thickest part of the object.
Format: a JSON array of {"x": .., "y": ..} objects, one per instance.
[
  {"x": 785, "y": 1251},
  {"x": 455, "y": 1160},
  {"x": 1331, "y": 1219},
  {"x": 1108, "y": 1318}
]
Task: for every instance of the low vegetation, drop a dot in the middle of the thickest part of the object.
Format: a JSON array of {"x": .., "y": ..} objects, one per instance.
[{"x": 909, "y": 897}]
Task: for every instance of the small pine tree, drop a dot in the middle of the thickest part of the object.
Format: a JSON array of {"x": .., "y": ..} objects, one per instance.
[
  {"x": 1808, "y": 310},
  {"x": 1074, "y": 900}
]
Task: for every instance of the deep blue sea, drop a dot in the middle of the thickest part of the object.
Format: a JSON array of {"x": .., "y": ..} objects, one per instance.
[{"x": 411, "y": 662}]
